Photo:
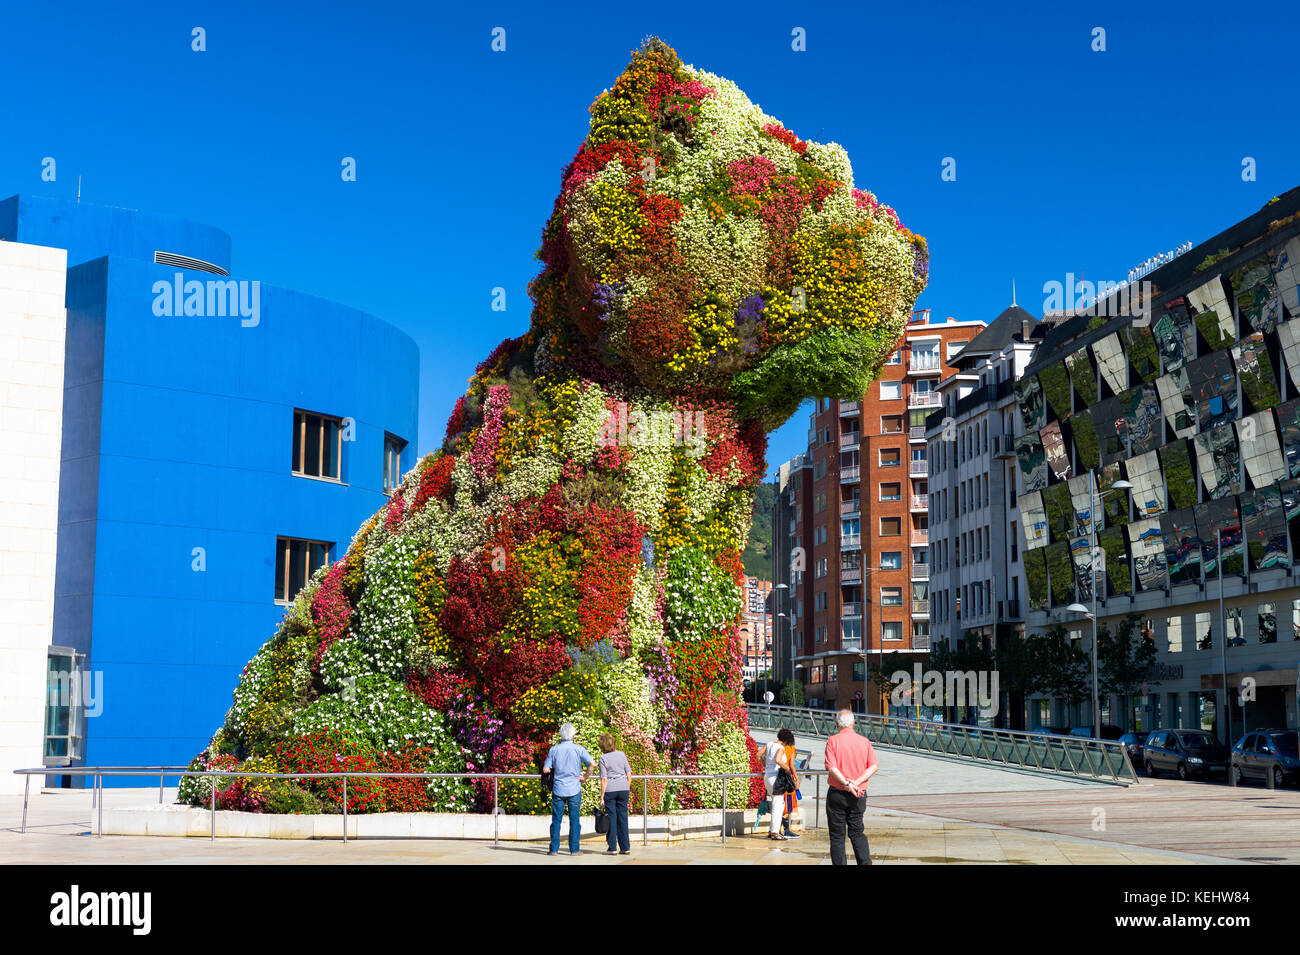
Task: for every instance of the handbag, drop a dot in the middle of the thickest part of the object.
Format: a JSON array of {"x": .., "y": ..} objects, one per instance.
[
  {"x": 784, "y": 782},
  {"x": 548, "y": 782},
  {"x": 602, "y": 821}
]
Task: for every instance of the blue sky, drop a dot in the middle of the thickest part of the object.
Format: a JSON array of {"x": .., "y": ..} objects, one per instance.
[{"x": 1067, "y": 160}]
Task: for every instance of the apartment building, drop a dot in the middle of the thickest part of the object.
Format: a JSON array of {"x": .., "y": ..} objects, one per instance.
[
  {"x": 977, "y": 586},
  {"x": 1160, "y": 463},
  {"x": 755, "y": 627},
  {"x": 857, "y": 504}
]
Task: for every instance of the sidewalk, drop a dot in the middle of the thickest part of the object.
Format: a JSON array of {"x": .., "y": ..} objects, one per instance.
[{"x": 59, "y": 825}]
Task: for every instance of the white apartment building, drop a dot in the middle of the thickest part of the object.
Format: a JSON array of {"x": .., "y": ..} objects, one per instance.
[{"x": 977, "y": 584}]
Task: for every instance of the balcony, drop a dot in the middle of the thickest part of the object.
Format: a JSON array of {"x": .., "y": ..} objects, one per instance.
[
  {"x": 917, "y": 433},
  {"x": 921, "y": 538},
  {"x": 1009, "y": 610},
  {"x": 920, "y": 641},
  {"x": 919, "y": 468},
  {"x": 850, "y": 439},
  {"x": 921, "y": 608},
  {"x": 920, "y": 502},
  {"x": 924, "y": 399},
  {"x": 1004, "y": 446},
  {"x": 849, "y": 473},
  {"x": 850, "y": 508},
  {"x": 924, "y": 363},
  {"x": 850, "y": 542},
  {"x": 849, "y": 407},
  {"x": 852, "y": 608},
  {"x": 850, "y": 575},
  {"x": 851, "y": 644},
  {"x": 920, "y": 571}
]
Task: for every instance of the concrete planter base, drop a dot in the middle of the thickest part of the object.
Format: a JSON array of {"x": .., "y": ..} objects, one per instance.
[{"x": 178, "y": 820}]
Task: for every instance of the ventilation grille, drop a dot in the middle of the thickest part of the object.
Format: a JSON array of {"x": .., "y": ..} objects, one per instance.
[{"x": 186, "y": 262}]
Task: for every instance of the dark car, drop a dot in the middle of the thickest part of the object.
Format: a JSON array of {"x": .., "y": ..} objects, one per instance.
[
  {"x": 1184, "y": 753},
  {"x": 1133, "y": 742},
  {"x": 1049, "y": 731},
  {"x": 1263, "y": 752},
  {"x": 1108, "y": 731}
]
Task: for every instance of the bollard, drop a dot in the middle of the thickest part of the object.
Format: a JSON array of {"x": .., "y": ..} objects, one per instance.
[
  {"x": 645, "y": 812},
  {"x": 817, "y": 805},
  {"x": 1270, "y": 778},
  {"x": 100, "y": 782},
  {"x": 496, "y": 811},
  {"x": 213, "y": 780},
  {"x": 724, "y": 810},
  {"x": 27, "y": 788},
  {"x": 345, "y": 809},
  {"x": 160, "y": 787},
  {"x": 1232, "y": 774}
]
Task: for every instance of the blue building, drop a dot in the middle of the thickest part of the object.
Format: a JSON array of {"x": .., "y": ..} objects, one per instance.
[{"x": 221, "y": 439}]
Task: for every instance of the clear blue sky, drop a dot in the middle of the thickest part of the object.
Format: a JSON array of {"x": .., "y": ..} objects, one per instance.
[{"x": 1067, "y": 159}]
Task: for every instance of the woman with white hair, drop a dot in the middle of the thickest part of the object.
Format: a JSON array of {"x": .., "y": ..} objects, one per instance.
[{"x": 570, "y": 765}]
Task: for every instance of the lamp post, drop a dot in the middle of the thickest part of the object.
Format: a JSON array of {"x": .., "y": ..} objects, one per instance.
[
  {"x": 1093, "y": 500},
  {"x": 1223, "y": 640}
]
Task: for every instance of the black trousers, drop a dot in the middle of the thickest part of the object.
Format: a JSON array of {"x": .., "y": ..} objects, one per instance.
[{"x": 844, "y": 814}]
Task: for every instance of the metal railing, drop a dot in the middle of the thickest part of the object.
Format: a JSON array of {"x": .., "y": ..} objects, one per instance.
[
  {"x": 163, "y": 772},
  {"x": 1097, "y": 759}
]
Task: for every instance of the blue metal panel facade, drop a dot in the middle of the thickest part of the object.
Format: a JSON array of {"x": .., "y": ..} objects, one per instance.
[{"x": 178, "y": 435}]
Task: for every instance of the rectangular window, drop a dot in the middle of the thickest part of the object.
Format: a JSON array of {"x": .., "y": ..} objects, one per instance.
[
  {"x": 832, "y": 672},
  {"x": 891, "y": 424},
  {"x": 893, "y": 560},
  {"x": 891, "y": 527},
  {"x": 891, "y": 492},
  {"x": 1268, "y": 623},
  {"x": 64, "y": 712},
  {"x": 891, "y": 390},
  {"x": 317, "y": 445},
  {"x": 890, "y": 458},
  {"x": 295, "y": 561},
  {"x": 891, "y": 596},
  {"x": 891, "y": 630},
  {"x": 895, "y": 359},
  {"x": 393, "y": 447}
]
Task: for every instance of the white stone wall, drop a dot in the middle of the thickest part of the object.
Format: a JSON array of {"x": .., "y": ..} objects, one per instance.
[{"x": 32, "y": 326}]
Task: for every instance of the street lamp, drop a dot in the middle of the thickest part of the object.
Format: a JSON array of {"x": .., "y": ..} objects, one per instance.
[{"x": 1093, "y": 500}]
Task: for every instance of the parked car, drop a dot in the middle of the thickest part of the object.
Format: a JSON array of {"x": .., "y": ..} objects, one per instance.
[
  {"x": 1050, "y": 731},
  {"x": 1185, "y": 753},
  {"x": 1263, "y": 752},
  {"x": 1133, "y": 743},
  {"x": 1108, "y": 731}
]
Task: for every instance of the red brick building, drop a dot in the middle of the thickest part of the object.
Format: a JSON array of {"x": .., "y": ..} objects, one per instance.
[{"x": 864, "y": 522}]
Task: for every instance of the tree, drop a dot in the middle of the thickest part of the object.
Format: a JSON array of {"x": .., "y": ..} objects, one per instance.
[
  {"x": 1061, "y": 667},
  {"x": 791, "y": 693},
  {"x": 1017, "y": 675},
  {"x": 1124, "y": 660}
]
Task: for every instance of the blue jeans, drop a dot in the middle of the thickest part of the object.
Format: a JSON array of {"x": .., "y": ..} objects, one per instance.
[
  {"x": 616, "y": 804},
  {"x": 558, "y": 804}
]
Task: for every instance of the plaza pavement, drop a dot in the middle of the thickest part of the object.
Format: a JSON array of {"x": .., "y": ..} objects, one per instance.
[
  {"x": 1209, "y": 820},
  {"x": 59, "y": 827}
]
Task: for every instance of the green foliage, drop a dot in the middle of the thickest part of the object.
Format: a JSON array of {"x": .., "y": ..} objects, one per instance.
[
  {"x": 1060, "y": 666},
  {"x": 1060, "y": 572},
  {"x": 1056, "y": 386},
  {"x": 1123, "y": 659},
  {"x": 701, "y": 597},
  {"x": 1083, "y": 375},
  {"x": 1177, "y": 466},
  {"x": 829, "y": 363},
  {"x": 1143, "y": 357},
  {"x": 1208, "y": 325},
  {"x": 1036, "y": 578},
  {"x": 1111, "y": 541},
  {"x": 1084, "y": 433},
  {"x": 757, "y": 557}
]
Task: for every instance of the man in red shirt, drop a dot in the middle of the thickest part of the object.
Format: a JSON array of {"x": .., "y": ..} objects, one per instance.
[{"x": 851, "y": 761}]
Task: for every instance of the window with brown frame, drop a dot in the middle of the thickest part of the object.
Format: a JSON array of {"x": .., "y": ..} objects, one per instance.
[
  {"x": 317, "y": 445},
  {"x": 891, "y": 527},
  {"x": 295, "y": 561}
]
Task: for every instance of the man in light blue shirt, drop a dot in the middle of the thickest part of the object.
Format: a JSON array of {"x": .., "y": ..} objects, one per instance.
[{"x": 570, "y": 765}]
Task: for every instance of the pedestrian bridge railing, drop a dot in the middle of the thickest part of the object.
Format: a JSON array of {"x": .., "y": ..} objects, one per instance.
[
  {"x": 162, "y": 773},
  {"x": 1102, "y": 760}
]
